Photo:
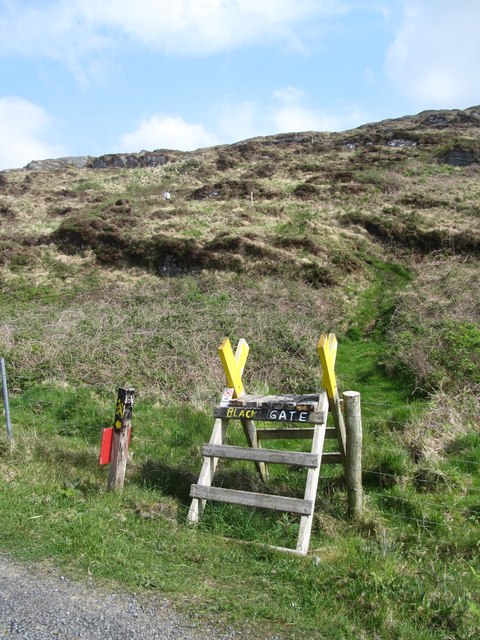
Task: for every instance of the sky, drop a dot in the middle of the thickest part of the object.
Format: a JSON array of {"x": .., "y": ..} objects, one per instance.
[{"x": 90, "y": 77}]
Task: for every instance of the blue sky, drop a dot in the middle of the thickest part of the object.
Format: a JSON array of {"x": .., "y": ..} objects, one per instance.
[{"x": 88, "y": 77}]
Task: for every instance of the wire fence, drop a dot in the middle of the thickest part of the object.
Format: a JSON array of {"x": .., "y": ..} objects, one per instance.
[{"x": 423, "y": 494}]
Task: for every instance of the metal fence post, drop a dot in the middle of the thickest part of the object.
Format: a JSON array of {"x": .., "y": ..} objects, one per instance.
[{"x": 5, "y": 400}]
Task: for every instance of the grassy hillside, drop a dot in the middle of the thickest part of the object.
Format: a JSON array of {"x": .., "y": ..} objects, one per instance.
[{"x": 372, "y": 234}]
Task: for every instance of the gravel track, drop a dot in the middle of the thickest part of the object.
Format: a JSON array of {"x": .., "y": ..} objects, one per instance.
[{"x": 40, "y": 604}]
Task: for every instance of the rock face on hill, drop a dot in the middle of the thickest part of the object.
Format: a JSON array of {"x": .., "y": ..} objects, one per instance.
[
  {"x": 108, "y": 161},
  {"x": 424, "y": 129},
  {"x": 58, "y": 163}
]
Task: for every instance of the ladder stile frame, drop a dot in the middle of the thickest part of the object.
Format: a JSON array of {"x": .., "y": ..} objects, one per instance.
[
  {"x": 328, "y": 399},
  {"x": 208, "y": 469},
  {"x": 313, "y": 476}
]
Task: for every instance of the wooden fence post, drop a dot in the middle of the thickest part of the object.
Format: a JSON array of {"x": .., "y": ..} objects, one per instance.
[
  {"x": 121, "y": 429},
  {"x": 353, "y": 463}
]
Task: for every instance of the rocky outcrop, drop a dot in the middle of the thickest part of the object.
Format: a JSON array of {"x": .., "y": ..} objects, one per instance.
[
  {"x": 131, "y": 160},
  {"x": 427, "y": 129},
  {"x": 80, "y": 162},
  {"x": 109, "y": 161}
]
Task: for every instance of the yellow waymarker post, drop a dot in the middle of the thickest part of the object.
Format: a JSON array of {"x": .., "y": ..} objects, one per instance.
[
  {"x": 233, "y": 365},
  {"x": 327, "y": 350}
]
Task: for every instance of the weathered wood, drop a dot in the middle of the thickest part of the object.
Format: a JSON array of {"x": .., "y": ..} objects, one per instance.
[
  {"x": 249, "y": 499},
  {"x": 286, "y": 433},
  {"x": 295, "y": 433},
  {"x": 251, "y": 434},
  {"x": 332, "y": 458},
  {"x": 208, "y": 470},
  {"x": 306, "y": 521},
  {"x": 304, "y": 402},
  {"x": 353, "y": 466},
  {"x": 339, "y": 423},
  {"x": 288, "y": 408},
  {"x": 271, "y": 456},
  {"x": 256, "y": 543},
  {"x": 121, "y": 426},
  {"x": 268, "y": 414}
]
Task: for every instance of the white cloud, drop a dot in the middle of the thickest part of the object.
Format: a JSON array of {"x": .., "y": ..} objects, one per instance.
[
  {"x": 23, "y": 127},
  {"x": 71, "y": 30},
  {"x": 232, "y": 121},
  {"x": 435, "y": 56},
  {"x": 236, "y": 121},
  {"x": 292, "y": 115},
  {"x": 167, "y": 132}
]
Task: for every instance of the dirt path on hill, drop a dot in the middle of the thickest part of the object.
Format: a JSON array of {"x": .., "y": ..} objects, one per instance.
[{"x": 40, "y": 604}]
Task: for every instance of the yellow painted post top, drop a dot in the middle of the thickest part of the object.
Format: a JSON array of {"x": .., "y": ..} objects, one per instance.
[
  {"x": 233, "y": 365},
  {"x": 327, "y": 350}
]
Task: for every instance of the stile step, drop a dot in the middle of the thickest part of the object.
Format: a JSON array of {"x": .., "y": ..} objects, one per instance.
[
  {"x": 288, "y": 433},
  {"x": 332, "y": 458},
  {"x": 249, "y": 499},
  {"x": 272, "y": 456}
]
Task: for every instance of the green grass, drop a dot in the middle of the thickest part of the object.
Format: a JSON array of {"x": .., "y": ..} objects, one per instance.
[
  {"x": 374, "y": 244},
  {"x": 409, "y": 570}
]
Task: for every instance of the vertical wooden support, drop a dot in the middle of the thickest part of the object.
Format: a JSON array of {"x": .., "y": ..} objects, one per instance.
[
  {"x": 353, "y": 467},
  {"x": 327, "y": 351},
  {"x": 121, "y": 427},
  {"x": 312, "y": 485},
  {"x": 208, "y": 469}
]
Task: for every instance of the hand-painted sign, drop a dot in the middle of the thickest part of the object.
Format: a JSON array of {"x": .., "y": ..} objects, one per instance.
[{"x": 269, "y": 415}]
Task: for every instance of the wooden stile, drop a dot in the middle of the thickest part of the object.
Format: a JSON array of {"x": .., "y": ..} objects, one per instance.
[{"x": 303, "y": 417}]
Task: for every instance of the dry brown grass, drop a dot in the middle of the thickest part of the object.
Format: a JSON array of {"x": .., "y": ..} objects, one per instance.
[
  {"x": 162, "y": 333},
  {"x": 448, "y": 417},
  {"x": 434, "y": 337}
]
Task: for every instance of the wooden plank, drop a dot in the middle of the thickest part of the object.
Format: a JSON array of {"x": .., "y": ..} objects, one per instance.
[
  {"x": 263, "y": 545},
  {"x": 271, "y": 456},
  {"x": 311, "y": 490},
  {"x": 208, "y": 470},
  {"x": 339, "y": 422},
  {"x": 267, "y": 414},
  {"x": 295, "y": 433},
  {"x": 304, "y": 402},
  {"x": 332, "y": 458},
  {"x": 250, "y": 431},
  {"x": 249, "y": 499}
]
